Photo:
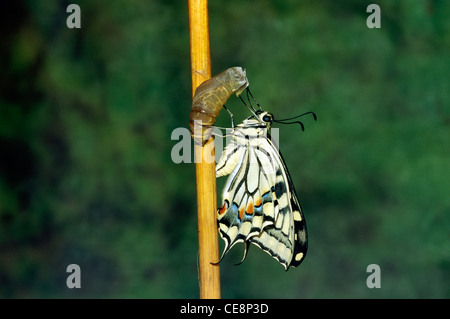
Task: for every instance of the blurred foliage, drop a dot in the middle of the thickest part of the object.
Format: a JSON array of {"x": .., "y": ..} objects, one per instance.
[{"x": 86, "y": 117}]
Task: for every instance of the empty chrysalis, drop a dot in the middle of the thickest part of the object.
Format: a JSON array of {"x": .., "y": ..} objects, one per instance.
[{"x": 209, "y": 99}]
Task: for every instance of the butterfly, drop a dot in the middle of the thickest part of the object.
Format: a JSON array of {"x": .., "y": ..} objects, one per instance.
[{"x": 260, "y": 205}]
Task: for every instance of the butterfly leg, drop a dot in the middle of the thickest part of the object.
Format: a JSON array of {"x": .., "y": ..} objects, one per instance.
[
  {"x": 248, "y": 98},
  {"x": 231, "y": 115}
]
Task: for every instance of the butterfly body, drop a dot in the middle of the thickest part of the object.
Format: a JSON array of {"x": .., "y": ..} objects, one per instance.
[{"x": 260, "y": 205}]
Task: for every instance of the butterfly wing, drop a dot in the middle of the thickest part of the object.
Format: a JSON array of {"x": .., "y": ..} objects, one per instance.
[
  {"x": 286, "y": 240},
  {"x": 259, "y": 202},
  {"x": 240, "y": 216}
]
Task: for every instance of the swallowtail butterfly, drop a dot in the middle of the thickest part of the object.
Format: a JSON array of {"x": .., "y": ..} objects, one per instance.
[{"x": 260, "y": 205}]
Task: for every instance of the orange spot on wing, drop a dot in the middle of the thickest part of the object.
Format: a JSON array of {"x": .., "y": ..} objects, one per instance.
[
  {"x": 249, "y": 209},
  {"x": 223, "y": 209},
  {"x": 241, "y": 213},
  {"x": 258, "y": 202}
]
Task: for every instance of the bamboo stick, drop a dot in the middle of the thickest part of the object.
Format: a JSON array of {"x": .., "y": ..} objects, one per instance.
[{"x": 209, "y": 274}]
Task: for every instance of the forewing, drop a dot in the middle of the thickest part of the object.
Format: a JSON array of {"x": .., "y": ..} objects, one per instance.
[{"x": 286, "y": 238}]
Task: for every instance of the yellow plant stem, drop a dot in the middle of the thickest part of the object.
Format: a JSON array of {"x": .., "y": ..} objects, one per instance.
[{"x": 209, "y": 274}]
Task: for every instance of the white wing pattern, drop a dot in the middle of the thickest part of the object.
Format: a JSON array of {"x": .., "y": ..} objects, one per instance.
[{"x": 260, "y": 205}]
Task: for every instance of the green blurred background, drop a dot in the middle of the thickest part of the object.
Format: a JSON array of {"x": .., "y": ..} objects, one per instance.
[{"x": 86, "y": 117}]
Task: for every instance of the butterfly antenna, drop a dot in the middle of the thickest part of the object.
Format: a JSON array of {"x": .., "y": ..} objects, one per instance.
[
  {"x": 295, "y": 122},
  {"x": 291, "y": 118},
  {"x": 286, "y": 121}
]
